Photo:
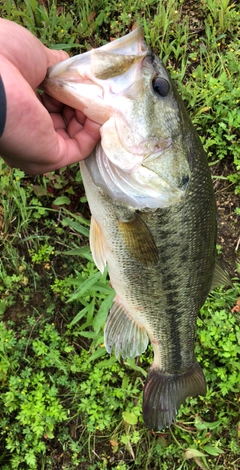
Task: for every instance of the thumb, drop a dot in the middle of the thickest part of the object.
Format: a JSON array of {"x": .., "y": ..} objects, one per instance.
[{"x": 54, "y": 56}]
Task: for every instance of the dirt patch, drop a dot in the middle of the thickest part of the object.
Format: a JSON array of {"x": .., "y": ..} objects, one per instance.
[{"x": 228, "y": 220}]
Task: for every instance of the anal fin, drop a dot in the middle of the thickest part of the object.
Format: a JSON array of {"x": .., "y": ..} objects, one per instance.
[
  {"x": 164, "y": 393},
  {"x": 121, "y": 333}
]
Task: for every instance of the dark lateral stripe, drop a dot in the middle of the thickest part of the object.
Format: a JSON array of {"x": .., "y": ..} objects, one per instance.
[
  {"x": 3, "y": 107},
  {"x": 176, "y": 358}
]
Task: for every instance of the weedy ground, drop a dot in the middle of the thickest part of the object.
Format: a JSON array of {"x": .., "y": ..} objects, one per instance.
[{"x": 64, "y": 403}]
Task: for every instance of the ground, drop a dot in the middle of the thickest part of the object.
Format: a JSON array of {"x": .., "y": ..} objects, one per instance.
[{"x": 228, "y": 221}]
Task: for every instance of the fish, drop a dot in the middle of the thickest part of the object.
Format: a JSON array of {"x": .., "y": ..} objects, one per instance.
[{"x": 154, "y": 218}]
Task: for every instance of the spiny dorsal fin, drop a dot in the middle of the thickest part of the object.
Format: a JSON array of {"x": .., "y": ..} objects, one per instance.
[
  {"x": 139, "y": 240},
  {"x": 121, "y": 333},
  {"x": 220, "y": 277},
  {"x": 98, "y": 245}
]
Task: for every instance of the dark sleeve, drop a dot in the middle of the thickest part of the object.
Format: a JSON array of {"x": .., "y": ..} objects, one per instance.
[{"x": 3, "y": 107}]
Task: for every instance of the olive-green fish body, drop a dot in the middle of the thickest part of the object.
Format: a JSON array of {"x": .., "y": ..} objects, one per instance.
[
  {"x": 161, "y": 265},
  {"x": 153, "y": 212}
]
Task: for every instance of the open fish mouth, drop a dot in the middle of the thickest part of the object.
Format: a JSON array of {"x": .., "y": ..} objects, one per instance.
[{"x": 124, "y": 87}]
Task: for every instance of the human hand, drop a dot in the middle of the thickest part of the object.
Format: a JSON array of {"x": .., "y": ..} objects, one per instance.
[{"x": 40, "y": 134}]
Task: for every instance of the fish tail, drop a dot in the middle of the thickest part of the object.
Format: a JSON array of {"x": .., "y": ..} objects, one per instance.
[{"x": 164, "y": 393}]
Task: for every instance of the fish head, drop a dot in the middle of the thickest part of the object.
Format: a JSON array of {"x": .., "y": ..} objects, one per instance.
[{"x": 142, "y": 159}]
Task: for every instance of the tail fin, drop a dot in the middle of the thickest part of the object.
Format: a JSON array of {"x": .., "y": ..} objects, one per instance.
[{"x": 164, "y": 393}]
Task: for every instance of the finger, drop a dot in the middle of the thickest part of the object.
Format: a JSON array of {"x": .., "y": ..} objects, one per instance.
[
  {"x": 53, "y": 56},
  {"x": 74, "y": 127},
  {"x": 51, "y": 104},
  {"x": 58, "y": 121},
  {"x": 64, "y": 120},
  {"x": 81, "y": 117},
  {"x": 73, "y": 150},
  {"x": 69, "y": 114},
  {"x": 64, "y": 150},
  {"x": 73, "y": 122}
]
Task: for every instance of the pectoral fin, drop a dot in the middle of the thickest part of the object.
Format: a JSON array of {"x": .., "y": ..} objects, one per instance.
[
  {"x": 139, "y": 240},
  {"x": 123, "y": 334},
  {"x": 98, "y": 245}
]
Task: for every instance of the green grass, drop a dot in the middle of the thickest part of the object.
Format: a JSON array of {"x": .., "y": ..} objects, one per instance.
[{"x": 65, "y": 403}]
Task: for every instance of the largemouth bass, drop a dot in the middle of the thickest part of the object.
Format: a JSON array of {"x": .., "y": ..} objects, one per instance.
[{"x": 153, "y": 212}]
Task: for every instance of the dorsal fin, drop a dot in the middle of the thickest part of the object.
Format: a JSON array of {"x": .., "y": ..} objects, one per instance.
[{"x": 220, "y": 277}]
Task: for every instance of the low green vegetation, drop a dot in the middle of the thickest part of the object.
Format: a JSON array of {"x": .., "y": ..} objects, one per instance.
[{"x": 65, "y": 403}]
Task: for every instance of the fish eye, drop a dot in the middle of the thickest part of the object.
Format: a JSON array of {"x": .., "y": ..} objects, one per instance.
[{"x": 161, "y": 86}]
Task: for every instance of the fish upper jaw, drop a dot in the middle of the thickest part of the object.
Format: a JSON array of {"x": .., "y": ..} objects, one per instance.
[{"x": 90, "y": 81}]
